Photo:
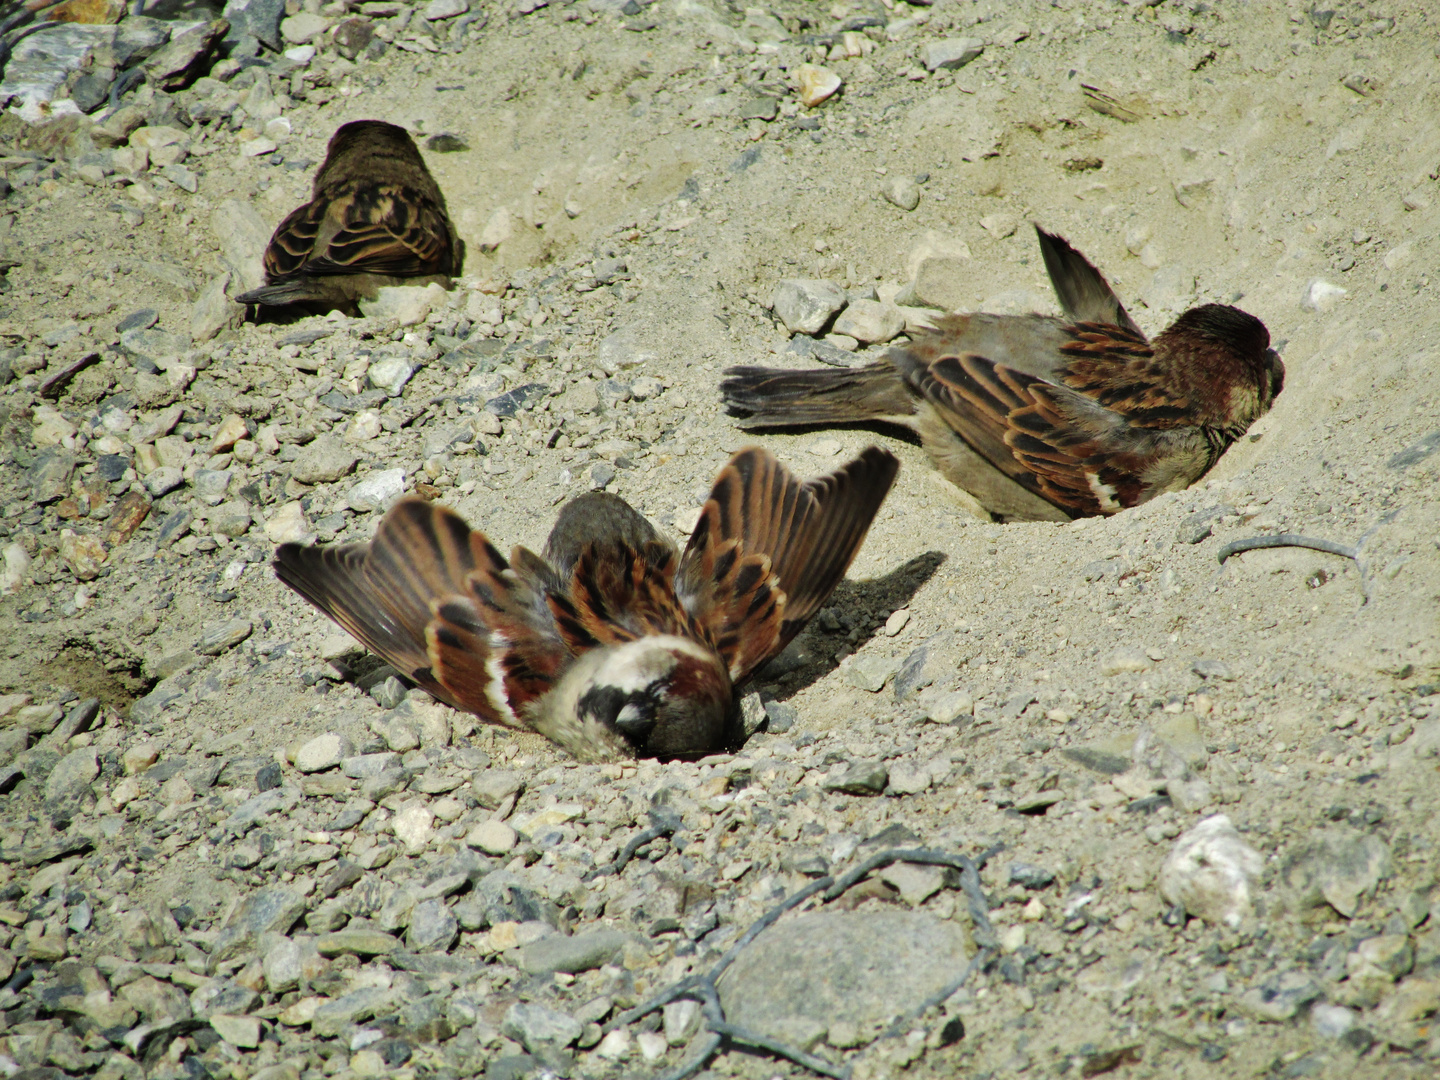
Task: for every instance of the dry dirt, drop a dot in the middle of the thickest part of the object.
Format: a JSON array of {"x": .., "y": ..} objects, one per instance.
[{"x": 1266, "y": 146}]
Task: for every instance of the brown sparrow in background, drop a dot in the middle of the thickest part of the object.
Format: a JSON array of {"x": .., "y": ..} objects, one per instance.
[
  {"x": 375, "y": 218},
  {"x": 612, "y": 643},
  {"x": 1046, "y": 418}
]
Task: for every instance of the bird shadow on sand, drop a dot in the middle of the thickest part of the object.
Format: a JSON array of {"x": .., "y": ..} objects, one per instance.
[{"x": 809, "y": 657}]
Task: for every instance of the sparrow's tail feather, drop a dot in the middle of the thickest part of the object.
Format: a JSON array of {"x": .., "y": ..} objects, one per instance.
[
  {"x": 769, "y": 549},
  {"x": 295, "y": 291},
  {"x": 777, "y": 398},
  {"x": 1084, "y": 294}
]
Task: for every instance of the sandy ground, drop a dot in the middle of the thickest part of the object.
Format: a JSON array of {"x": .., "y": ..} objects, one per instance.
[{"x": 1265, "y": 147}]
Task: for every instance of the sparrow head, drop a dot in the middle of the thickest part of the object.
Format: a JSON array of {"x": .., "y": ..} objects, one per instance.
[
  {"x": 656, "y": 695},
  {"x": 1231, "y": 350}
]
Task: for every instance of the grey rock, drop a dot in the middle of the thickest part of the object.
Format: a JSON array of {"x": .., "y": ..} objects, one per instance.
[
  {"x": 491, "y": 787},
  {"x": 270, "y": 910},
  {"x": 871, "y": 672},
  {"x": 537, "y": 1026},
  {"x": 324, "y": 461},
  {"x": 49, "y": 476},
  {"x": 824, "y": 352},
  {"x": 796, "y": 980},
  {"x": 242, "y": 234},
  {"x": 360, "y": 942},
  {"x": 1213, "y": 669},
  {"x": 185, "y": 57},
  {"x": 806, "y": 305},
  {"x": 1339, "y": 866},
  {"x": 1280, "y": 998},
  {"x": 433, "y": 927},
  {"x": 324, "y": 752},
  {"x": 224, "y": 997},
  {"x": 258, "y": 18},
  {"x": 221, "y": 638},
  {"x": 903, "y": 192},
  {"x": 780, "y": 716},
  {"x": 210, "y": 485},
  {"x": 859, "y": 778},
  {"x": 363, "y": 766},
  {"x": 164, "y": 480},
  {"x": 283, "y": 964},
  {"x": 213, "y": 311},
  {"x": 167, "y": 693},
  {"x": 255, "y": 809},
  {"x": 231, "y": 519},
  {"x": 332, "y": 1018},
  {"x": 158, "y": 1002},
  {"x": 158, "y": 348},
  {"x": 70, "y": 780},
  {"x": 951, "y": 52},
  {"x": 1030, "y": 876},
  {"x": 582, "y": 952}
]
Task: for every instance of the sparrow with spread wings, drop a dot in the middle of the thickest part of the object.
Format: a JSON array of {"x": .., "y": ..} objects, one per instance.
[
  {"x": 612, "y": 643},
  {"x": 376, "y": 217},
  {"x": 1049, "y": 418}
]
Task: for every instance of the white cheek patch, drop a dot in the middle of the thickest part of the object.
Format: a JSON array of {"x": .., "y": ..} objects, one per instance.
[
  {"x": 632, "y": 667},
  {"x": 1103, "y": 492}
]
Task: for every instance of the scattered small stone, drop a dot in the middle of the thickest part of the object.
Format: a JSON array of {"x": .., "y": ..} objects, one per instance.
[
  {"x": 871, "y": 672},
  {"x": 225, "y": 636},
  {"x": 901, "y": 191},
  {"x": 817, "y": 85},
  {"x": 951, "y": 52},
  {"x": 323, "y": 752},
  {"x": 858, "y": 778}
]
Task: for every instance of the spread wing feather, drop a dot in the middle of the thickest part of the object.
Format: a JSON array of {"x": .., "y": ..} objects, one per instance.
[
  {"x": 769, "y": 549},
  {"x": 437, "y": 600}
]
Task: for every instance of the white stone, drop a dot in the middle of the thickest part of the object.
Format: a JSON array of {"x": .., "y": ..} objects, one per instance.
[
  {"x": 499, "y": 228},
  {"x": 907, "y": 778},
  {"x": 414, "y": 824},
  {"x": 17, "y": 565},
  {"x": 1320, "y": 295},
  {"x": 951, "y": 52},
  {"x": 390, "y": 374},
  {"x": 652, "y": 1045},
  {"x": 256, "y": 147},
  {"x": 1210, "y": 872},
  {"x": 378, "y": 491},
  {"x": 288, "y": 525},
  {"x": 231, "y": 430},
  {"x": 301, "y": 54},
  {"x": 817, "y": 84},
  {"x": 896, "y": 622},
  {"x": 406, "y": 304},
  {"x": 1000, "y": 224},
  {"x": 279, "y": 129},
  {"x": 1124, "y": 660},
  {"x": 870, "y": 321},
  {"x": 614, "y": 1045},
  {"x": 363, "y": 426},
  {"x": 166, "y": 478}
]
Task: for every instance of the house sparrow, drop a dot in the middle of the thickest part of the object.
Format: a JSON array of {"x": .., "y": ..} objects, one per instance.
[
  {"x": 376, "y": 217},
  {"x": 1045, "y": 418},
  {"x": 611, "y": 643}
]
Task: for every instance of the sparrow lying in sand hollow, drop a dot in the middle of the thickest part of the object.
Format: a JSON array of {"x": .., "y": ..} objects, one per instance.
[
  {"x": 613, "y": 643},
  {"x": 375, "y": 217},
  {"x": 1046, "y": 418}
]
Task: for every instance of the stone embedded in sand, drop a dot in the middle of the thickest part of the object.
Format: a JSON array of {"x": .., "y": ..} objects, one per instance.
[
  {"x": 901, "y": 191},
  {"x": 805, "y": 305},
  {"x": 817, "y": 84},
  {"x": 1320, "y": 295},
  {"x": 951, "y": 52},
  {"x": 1211, "y": 871}
]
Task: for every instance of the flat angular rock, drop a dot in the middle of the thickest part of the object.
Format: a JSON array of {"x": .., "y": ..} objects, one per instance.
[
  {"x": 324, "y": 461},
  {"x": 225, "y": 636},
  {"x": 270, "y": 910},
  {"x": 805, "y": 305},
  {"x": 186, "y": 56},
  {"x": 242, "y": 234},
  {"x": 323, "y": 752},
  {"x": 258, "y": 18},
  {"x": 537, "y": 1026},
  {"x": 333, "y": 1017},
  {"x": 49, "y": 476},
  {"x": 1338, "y": 866},
  {"x": 859, "y": 778},
  {"x": 869, "y": 321},
  {"x": 358, "y": 942},
  {"x": 582, "y": 952},
  {"x": 432, "y": 927},
  {"x": 798, "y": 979}
]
